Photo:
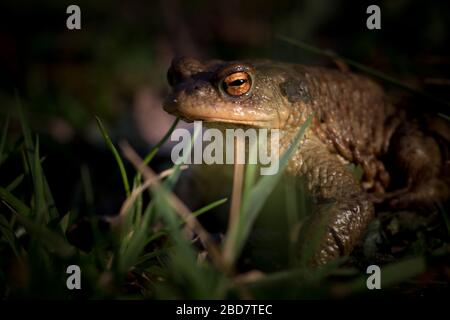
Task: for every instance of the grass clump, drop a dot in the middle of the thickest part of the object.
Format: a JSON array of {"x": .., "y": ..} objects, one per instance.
[{"x": 149, "y": 250}]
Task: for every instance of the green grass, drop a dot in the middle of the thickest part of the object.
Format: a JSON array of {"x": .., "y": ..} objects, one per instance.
[{"x": 147, "y": 242}]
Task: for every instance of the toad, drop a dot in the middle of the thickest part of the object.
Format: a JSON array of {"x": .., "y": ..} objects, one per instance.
[{"x": 354, "y": 121}]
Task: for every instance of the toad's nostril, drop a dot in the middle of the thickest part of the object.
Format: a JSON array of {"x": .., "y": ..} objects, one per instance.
[{"x": 198, "y": 86}]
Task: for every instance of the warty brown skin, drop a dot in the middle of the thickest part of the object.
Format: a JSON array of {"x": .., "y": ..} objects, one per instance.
[{"x": 354, "y": 122}]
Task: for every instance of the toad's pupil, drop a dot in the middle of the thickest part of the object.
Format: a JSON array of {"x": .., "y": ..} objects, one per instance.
[{"x": 237, "y": 83}]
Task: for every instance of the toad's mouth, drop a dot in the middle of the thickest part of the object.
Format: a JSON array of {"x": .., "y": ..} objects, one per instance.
[
  {"x": 252, "y": 123},
  {"x": 217, "y": 116}
]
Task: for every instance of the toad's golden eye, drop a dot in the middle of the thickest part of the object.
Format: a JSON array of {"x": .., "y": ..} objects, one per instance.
[{"x": 237, "y": 84}]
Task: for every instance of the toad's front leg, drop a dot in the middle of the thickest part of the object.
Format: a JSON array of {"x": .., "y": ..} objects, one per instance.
[{"x": 342, "y": 207}]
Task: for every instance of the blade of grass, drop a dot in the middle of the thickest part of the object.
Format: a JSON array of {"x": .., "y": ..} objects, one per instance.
[
  {"x": 8, "y": 235},
  {"x": 370, "y": 71},
  {"x": 3, "y": 139},
  {"x": 250, "y": 172},
  {"x": 155, "y": 149},
  {"x": 116, "y": 154},
  {"x": 15, "y": 203},
  {"x": 15, "y": 183},
  {"x": 207, "y": 208},
  {"x": 292, "y": 219},
  {"x": 40, "y": 208},
  {"x": 28, "y": 140},
  {"x": 235, "y": 207},
  {"x": 446, "y": 117},
  {"x": 138, "y": 205},
  {"x": 149, "y": 157},
  {"x": 51, "y": 206},
  {"x": 64, "y": 223}
]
